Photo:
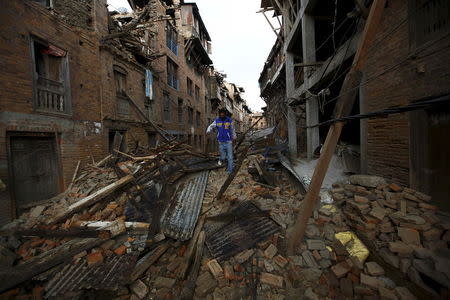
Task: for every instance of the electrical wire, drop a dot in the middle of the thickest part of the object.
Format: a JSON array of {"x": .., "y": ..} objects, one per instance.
[
  {"x": 389, "y": 69},
  {"x": 386, "y": 112}
]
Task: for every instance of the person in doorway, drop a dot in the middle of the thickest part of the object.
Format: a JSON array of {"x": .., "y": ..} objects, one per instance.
[{"x": 225, "y": 136}]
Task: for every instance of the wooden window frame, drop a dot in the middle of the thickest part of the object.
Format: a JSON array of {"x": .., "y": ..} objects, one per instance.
[{"x": 65, "y": 71}]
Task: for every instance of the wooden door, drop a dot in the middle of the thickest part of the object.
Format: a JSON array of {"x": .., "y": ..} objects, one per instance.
[{"x": 35, "y": 170}]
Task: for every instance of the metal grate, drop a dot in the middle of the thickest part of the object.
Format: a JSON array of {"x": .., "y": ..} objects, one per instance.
[{"x": 241, "y": 233}]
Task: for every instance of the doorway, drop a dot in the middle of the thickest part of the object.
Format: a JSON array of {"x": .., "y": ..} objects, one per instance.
[{"x": 34, "y": 168}]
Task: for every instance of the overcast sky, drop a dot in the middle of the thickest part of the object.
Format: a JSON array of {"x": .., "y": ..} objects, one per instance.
[{"x": 241, "y": 41}]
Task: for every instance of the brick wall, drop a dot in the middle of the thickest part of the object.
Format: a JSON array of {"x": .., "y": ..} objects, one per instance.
[
  {"x": 420, "y": 76},
  {"x": 80, "y": 133},
  {"x": 184, "y": 71},
  {"x": 76, "y": 12}
]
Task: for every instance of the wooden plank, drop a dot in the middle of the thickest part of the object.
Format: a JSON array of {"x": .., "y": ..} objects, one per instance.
[
  {"x": 189, "y": 288},
  {"x": 149, "y": 259},
  {"x": 91, "y": 199},
  {"x": 343, "y": 107},
  {"x": 75, "y": 174},
  {"x": 233, "y": 174},
  {"x": 191, "y": 247},
  {"x": 273, "y": 28},
  {"x": 263, "y": 173},
  {"x": 130, "y": 226},
  {"x": 144, "y": 115},
  {"x": 102, "y": 162}
]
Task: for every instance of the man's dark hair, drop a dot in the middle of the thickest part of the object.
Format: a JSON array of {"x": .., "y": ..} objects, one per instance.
[{"x": 222, "y": 110}]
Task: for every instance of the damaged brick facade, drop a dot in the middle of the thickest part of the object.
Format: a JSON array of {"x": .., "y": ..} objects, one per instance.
[
  {"x": 67, "y": 91},
  {"x": 76, "y": 134}
]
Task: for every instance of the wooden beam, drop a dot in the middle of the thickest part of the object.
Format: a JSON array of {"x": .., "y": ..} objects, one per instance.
[
  {"x": 191, "y": 247},
  {"x": 343, "y": 107},
  {"x": 144, "y": 115},
  {"x": 72, "y": 232},
  {"x": 273, "y": 28},
  {"x": 362, "y": 7},
  {"x": 91, "y": 199},
  {"x": 149, "y": 259},
  {"x": 11, "y": 277},
  {"x": 233, "y": 174},
  {"x": 311, "y": 64},
  {"x": 188, "y": 290}
]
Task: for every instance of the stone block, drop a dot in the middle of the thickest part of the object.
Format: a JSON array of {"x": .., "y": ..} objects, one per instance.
[
  {"x": 244, "y": 255},
  {"x": 387, "y": 293},
  {"x": 369, "y": 281},
  {"x": 401, "y": 249},
  {"x": 367, "y": 180},
  {"x": 309, "y": 259},
  {"x": 374, "y": 269},
  {"x": 215, "y": 268},
  {"x": 270, "y": 251},
  {"x": 341, "y": 269},
  {"x": 378, "y": 213},
  {"x": 346, "y": 286},
  {"x": 272, "y": 280},
  {"x": 164, "y": 282},
  {"x": 280, "y": 260},
  {"x": 139, "y": 288},
  {"x": 404, "y": 294},
  {"x": 94, "y": 258},
  {"x": 433, "y": 234},
  {"x": 409, "y": 236},
  {"x": 315, "y": 244}
]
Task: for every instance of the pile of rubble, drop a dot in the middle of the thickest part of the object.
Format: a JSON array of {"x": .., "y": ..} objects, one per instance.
[
  {"x": 100, "y": 225},
  {"x": 402, "y": 226},
  {"x": 152, "y": 226}
]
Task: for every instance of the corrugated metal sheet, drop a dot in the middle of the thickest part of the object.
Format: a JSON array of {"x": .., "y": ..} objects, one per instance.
[
  {"x": 241, "y": 233},
  {"x": 109, "y": 275},
  {"x": 179, "y": 219}
]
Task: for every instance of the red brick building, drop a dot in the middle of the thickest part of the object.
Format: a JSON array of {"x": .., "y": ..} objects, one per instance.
[
  {"x": 50, "y": 109},
  {"x": 72, "y": 80}
]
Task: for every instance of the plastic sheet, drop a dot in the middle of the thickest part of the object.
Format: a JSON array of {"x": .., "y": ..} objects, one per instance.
[{"x": 353, "y": 244}]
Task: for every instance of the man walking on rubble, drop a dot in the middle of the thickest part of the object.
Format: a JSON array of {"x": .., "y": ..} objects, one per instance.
[{"x": 225, "y": 136}]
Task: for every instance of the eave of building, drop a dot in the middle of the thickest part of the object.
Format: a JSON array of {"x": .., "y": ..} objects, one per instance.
[
  {"x": 307, "y": 7},
  {"x": 196, "y": 12},
  {"x": 274, "y": 79},
  {"x": 330, "y": 65},
  {"x": 194, "y": 44}
]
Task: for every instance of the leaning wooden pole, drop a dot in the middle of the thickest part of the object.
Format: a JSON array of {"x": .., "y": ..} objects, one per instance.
[{"x": 343, "y": 107}]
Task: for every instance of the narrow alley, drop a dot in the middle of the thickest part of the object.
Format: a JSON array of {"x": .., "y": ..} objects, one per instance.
[{"x": 133, "y": 167}]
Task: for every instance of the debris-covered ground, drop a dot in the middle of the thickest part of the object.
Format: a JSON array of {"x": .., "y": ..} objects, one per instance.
[{"x": 129, "y": 228}]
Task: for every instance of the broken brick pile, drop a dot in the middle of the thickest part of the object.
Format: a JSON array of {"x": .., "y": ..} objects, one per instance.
[
  {"x": 321, "y": 267},
  {"x": 401, "y": 225},
  {"x": 87, "y": 225}
]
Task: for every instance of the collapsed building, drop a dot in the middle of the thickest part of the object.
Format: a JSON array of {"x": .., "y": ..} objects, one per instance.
[
  {"x": 406, "y": 66},
  {"x": 142, "y": 210},
  {"x": 358, "y": 88},
  {"x": 77, "y": 77}
]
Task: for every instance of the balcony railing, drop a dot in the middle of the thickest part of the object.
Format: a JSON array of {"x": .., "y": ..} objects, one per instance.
[
  {"x": 196, "y": 34},
  {"x": 50, "y": 96}
]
